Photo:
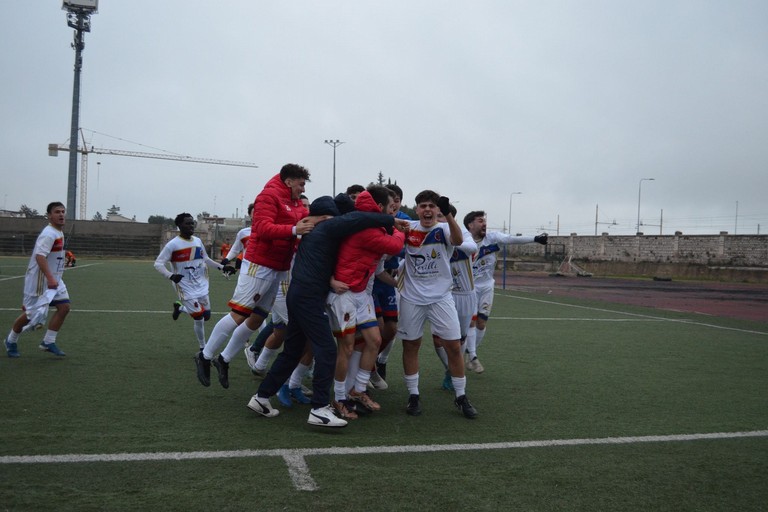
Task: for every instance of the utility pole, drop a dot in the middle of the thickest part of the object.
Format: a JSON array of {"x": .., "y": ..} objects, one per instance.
[
  {"x": 79, "y": 18},
  {"x": 334, "y": 143}
]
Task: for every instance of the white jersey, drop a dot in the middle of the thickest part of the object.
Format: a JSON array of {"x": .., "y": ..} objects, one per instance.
[
  {"x": 241, "y": 240},
  {"x": 461, "y": 265},
  {"x": 484, "y": 263},
  {"x": 188, "y": 258},
  {"x": 428, "y": 251},
  {"x": 50, "y": 244}
]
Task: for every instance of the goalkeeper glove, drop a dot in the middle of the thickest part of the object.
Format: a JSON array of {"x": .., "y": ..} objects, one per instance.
[
  {"x": 228, "y": 270},
  {"x": 444, "y": 204},
  {"x": 541, "y": 239},
  {"x": 224, "y": 261},
  {"x": 176, "y": 278}
]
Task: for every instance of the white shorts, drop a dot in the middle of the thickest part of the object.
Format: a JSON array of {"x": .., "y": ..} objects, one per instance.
[
  {"x": 256, "y": 281},
  {"x": 280, "y": 308},
  {"x": 442, "y": 316},
  {"x": 484, "y": 302},
  {"x": 466, "y": 308},
  {"x": 197, "y": 306},
  {"x": 341, "y": 312}
]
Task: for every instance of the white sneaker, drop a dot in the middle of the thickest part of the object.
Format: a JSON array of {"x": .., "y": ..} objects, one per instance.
[
  {"x": 377, "y": 382},
  {"x": 262, "y": 406},
  {"x": 475, "y": 366},
  {"x": 250, "y": 356},
  {"x": 324, "y": 417}
]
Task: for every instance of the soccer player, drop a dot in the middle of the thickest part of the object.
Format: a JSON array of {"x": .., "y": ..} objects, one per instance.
[
  {"x": 463, "y": 291},
  {"x": 310, "y": 284},
  {"x": 426, "y": 295},
  {"x": 278, "y": 218},
  {"x": 353, "y": 311},
  {"x": 44, "y": 286},
  {"x": 189, "y": 272},
  {"x": 71, "y": 261},
  {"x": 483, "y": 268},
  {"x": 385, "y": 297}
]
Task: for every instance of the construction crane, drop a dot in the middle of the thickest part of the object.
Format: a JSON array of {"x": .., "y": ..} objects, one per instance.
[{"x": 53, "y": 150}]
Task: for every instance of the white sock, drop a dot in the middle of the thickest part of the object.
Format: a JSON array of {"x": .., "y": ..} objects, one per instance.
[
  {"x": 480, "y": 335},
  {"x": 352, "y": 366},
  {"x": 471, "y": 342},
  {"x": 13, "y": 336},
  {"x": 412, "y": 383},
  {"x": 221, "y": 331},
  {"x": 384, "y": 356},
  {"x": 361, "y": 382},
  {"x": 237, "y": 342},
  {"x": 264, "y": 357},
  {"x": 442, "y": 355},
  {"x": 199, "y": 327},
  {"x": 459, "y": 385},
  {"x": 50, "y": 337},
  {"x": 297, "y": 376},
  {"x": 339, "y": 390}
]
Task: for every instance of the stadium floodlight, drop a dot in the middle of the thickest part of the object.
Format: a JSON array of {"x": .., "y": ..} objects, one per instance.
[{"x": 91, "y": 6}]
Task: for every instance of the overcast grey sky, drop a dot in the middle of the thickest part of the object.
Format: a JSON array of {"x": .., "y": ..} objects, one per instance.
[{"x": 571, "y": 103}]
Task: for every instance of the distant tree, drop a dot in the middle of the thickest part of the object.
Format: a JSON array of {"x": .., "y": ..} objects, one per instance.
[
  {"x": 160, "y": 219},
  {"x": 28, "y": 212},
  {"x": 409, "y": 211},
  {"x": 115, "y": 210},
  {"x": 98, "y": 216},
  {"x": 380, "y": 179}
]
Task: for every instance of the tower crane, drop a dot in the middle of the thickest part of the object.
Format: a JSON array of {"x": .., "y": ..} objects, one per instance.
[{"x": 53, "y": 150}]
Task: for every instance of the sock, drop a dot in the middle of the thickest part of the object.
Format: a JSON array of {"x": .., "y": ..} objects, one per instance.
[
  {"x": 237, "y": 342},
  {"x": 471, "y": 343},
  {"x": 442, "y": 355},
  {"x": 264, "y": 357},
  {"x": 459, "y": 385},
  {"x": 221, "y": 331},
  {"x": 480, "y": 335},
  {"x": 361, "y": 382},
  {"x": 412, "y": 383},
  {"x": 50, "y": 337},
  {"x": 384, "y": 355},
  {"x": 339, "y": 390},
  {"x": 297, "y": 376},
  {"x": 199, "y": 327},
  {"x": 352, "y": 366},
  {"x": 13, "y": 336},
  {"x": 261, "y": 338}
]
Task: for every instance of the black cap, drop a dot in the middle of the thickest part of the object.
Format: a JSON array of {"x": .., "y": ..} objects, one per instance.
[{"x": 323, "y": 205}]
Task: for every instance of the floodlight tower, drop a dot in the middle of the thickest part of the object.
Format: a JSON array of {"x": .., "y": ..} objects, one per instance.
[{"x": 79, "y": 18}]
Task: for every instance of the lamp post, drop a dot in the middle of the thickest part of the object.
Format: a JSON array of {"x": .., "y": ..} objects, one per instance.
[
  {"x": 509, "y": 231},
  {"x": 334, "y": 143},
  {"x": 639, "y": 190},
  {"x": 509, "y": 220},
  {"x": 79, "y": 18}
]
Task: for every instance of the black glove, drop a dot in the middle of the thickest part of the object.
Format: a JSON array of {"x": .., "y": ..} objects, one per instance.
[
  {"x": 224, "y": 261},
  {"x": 228, "y": 270},
  {"x": 176, "y": 278},
  {"x": 444, "y": 204},
  {"x": 541, "y": 239}
]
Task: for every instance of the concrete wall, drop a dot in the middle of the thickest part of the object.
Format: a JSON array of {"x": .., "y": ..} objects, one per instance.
[
  {"x": 722, "y": 256},
  {"x": 84, "y": 237}
]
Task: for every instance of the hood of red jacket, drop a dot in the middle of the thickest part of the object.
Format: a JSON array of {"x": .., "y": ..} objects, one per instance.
[{"x": 365, "y": 203}]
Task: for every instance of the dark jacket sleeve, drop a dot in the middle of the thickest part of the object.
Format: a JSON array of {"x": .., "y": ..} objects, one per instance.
[{"x": 350, "y": 223}]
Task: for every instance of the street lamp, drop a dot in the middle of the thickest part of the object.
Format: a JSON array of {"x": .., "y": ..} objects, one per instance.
[
  {"x": 639, "y": 190},
  {"x": 509, "y": 221},
  {"x": 79, "y": 18},
  {"x": 334, "y": 144}
]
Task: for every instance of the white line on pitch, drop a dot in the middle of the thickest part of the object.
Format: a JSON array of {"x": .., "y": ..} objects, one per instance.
[
  {"x": 68, "y": 269},
  {"x": 299, "y": 471},
  {"x": 636, "y": 315}
]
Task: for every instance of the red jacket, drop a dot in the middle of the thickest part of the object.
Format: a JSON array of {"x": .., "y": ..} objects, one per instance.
[
  {"x": 359, "y": 254},
  {"x": 275, "y": 213}
]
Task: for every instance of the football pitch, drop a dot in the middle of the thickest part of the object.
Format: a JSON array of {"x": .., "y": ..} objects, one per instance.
[{"x": 583, "y": 405}]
